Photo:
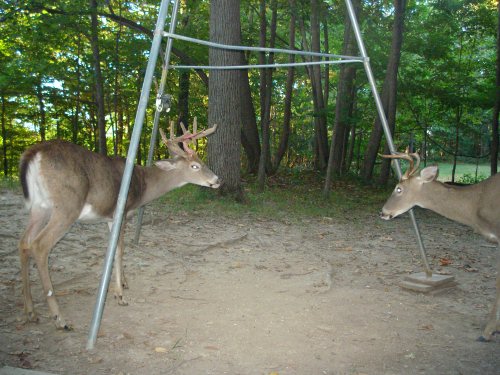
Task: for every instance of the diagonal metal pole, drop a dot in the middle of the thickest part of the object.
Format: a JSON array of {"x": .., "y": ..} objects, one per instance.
[
  {"x": 161, "y": 89},
  {"x": 127, "y": 175},
  {"x": 385, "y": 126}
]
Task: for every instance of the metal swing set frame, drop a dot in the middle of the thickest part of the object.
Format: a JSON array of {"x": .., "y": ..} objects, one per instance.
[{"x": 162, "y": 103}]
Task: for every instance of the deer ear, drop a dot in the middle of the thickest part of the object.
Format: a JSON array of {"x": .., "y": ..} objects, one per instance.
[
  {"x": 166, "y": 165},
  {"x": 429, "y": 174}
]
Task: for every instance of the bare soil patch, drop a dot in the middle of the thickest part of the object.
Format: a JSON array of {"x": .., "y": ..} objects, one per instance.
[{"x": 211, "y": 294}]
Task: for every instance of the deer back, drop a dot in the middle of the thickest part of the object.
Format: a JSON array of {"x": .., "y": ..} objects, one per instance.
[{"x": 67, "y": 175}]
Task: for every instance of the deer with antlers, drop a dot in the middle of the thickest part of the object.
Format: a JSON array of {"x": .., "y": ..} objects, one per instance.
[
  {"x": 474, "y": 205},
  {"x": 63, "y": 183}
]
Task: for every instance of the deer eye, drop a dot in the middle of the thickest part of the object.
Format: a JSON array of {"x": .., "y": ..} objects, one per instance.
[
  {"x": 399, "y": 190},
  {"x": 195, "y": 166}
]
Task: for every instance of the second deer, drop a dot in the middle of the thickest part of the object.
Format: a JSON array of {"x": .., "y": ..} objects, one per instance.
[
  {"x": 475, "y": 205},
  {"x": 63, "y": 183}
]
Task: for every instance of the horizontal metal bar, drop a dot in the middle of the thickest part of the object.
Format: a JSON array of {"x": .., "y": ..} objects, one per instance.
[
  {"x": 260, "y": 66},
  {"x": 260, "y": 49}
]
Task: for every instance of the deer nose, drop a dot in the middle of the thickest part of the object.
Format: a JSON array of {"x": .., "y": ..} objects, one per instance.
[
  {"x": 384, "y": 216},
  {"x": 216, "y": 183}
]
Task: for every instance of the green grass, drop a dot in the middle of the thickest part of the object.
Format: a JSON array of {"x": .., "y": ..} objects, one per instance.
[
  {"x": 285, "y": 198},
  {"x": 465, "y": 172},
  {"x": 10, "y": 183}
]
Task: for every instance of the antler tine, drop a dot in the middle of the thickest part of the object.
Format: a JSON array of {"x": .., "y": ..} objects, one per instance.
[
  {"x": 172, "y": 143},
  {"x": 405, "y": 156},
  {"x": 172, "y": 132},
  {"x": 204, "y": 133},
  {"x": 195, "y": 124},
  {"x": 184, "y": 130}
]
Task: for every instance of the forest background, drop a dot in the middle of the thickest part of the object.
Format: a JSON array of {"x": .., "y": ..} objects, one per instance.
[{"x": 73, "y": 69}]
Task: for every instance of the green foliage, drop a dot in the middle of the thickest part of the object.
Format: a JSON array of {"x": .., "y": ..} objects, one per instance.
[{"x": 446, "y": 78}]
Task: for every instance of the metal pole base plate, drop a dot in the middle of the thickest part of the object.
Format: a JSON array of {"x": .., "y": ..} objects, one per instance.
[{"x": 434, "y": 284}]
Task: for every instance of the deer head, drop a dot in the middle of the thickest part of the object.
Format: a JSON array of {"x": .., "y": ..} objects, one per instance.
[
  {"x": 185, "y": 160},
  {"x": 407, "y": 192}
]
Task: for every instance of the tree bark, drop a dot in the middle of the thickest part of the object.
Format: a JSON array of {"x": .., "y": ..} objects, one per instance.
[
  {"x": 318, "y": 98},
  {"x": 389, "y": 94},
  {"x": 224, "y": 103},
  {"x": 343, "y": 106},
  {"x": 4, "y": 138},
  {"x": 496, "y": 108},
  {"x": 287, "y": 110},
  {"x": 41, "y": 106},
  {"x": 249, "y": 132},
  {"x": 99, "y": 86},
  {"x": 265, "y": 154}
]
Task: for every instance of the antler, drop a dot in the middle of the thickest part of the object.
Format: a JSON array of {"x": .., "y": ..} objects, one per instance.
[
  {"x": 187, "y": 138},
  {"x": 406, "y": 156}
]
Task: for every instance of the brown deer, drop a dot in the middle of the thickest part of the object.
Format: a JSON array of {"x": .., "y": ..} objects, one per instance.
[
  {"x": 477, "y": 206},
  {"x": 63, "y": 183}
]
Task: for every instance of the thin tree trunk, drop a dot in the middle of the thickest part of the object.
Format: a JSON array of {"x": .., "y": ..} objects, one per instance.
[
  {"x": 389, "y": 94},
  {"x": 318, "y": 99},
  {"x": 224, "y": 103},
  {"x": 343, "y": 106},
  {"x": 496, "y": 108},
  {"x": 41, "y": 105},
  {"x": 4, "y": 138},
  {"x": 99, "y": 86},
  {"x": 183, "y": 100},
  {"x": 249, "y": 132},
  {"x": 287, "y": 110},
  {"x": 265, "y": 154}
]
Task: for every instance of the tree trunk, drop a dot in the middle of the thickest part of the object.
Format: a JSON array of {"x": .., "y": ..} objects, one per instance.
[
  {"x": 99, "y": 86},
  {"x": 41, "y": 105},
  {"x": 285, "y": 132},
  {"x": 224, "y": 103},
  {"x": 496, "y": 108},
  {"x": 265, "y": 154},
  {"x": 4, "y": 138},
  {"x": 388, "y": 97},
  {"x": 321, "y": 134},
  {"x": 249, "y": 132},
  {"x": 183, "y": 99},
  {"x": 343, "y": 106}
]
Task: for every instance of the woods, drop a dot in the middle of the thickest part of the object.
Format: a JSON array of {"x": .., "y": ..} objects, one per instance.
[{"x": 73, "y": 70}]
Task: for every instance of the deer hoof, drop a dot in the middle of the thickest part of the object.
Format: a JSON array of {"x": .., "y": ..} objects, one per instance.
[
  {"x": 61, "y": 324},
  {"x": 121, "y": 301},
  {"x": 483, "y": 339},
  {"x": 31, "y": 317}
]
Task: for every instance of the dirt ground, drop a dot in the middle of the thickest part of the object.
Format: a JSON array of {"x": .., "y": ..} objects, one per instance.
[{"x": 219, "y": 295}]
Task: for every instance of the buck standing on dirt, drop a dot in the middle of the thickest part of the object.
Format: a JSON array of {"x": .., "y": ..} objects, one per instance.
[
  {"x": 475, "y": 205},
  {"x": 63, "y": 183}
]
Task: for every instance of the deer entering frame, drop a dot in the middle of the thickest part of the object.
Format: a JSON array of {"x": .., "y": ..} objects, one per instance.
[
  {"x": 63, "y": 183},
  {"x": 476, "y": 206}
]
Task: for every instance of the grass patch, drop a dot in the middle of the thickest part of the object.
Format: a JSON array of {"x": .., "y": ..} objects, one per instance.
[
  {"x": 10, "y": 183},
  {"x": 465, "y": 172},
  {"x": 285, "y": 198}
]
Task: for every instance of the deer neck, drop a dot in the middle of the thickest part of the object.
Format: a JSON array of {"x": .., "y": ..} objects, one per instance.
[
  {"x": 157, "y": 182},
  {"x": 453, "y": 202}
]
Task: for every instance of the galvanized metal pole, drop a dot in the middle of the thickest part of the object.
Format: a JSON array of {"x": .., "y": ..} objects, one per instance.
[
  {"x": 383, "y": 120},
  {"x": 161, "y": 89},
  {"x": 127, "y": 174}
]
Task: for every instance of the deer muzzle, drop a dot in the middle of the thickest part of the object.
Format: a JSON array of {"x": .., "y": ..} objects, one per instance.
[{"x": 385, "y": 215}]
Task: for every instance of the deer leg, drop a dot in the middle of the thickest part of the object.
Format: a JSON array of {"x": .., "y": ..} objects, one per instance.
[
  {"x": 38, "y": 218},
  {"x": 493, "y": 325},
  {"x": 121, "y": 282},
  {"x": 59, "y": 223}
]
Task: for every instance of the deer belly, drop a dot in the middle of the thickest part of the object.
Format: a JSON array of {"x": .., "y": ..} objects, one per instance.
[{"x": 89, "y": 214}]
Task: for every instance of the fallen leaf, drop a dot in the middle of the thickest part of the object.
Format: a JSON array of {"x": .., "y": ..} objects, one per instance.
[
  {"x": 426, "y": 327},
  {"x": 445, "y": 262}
]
